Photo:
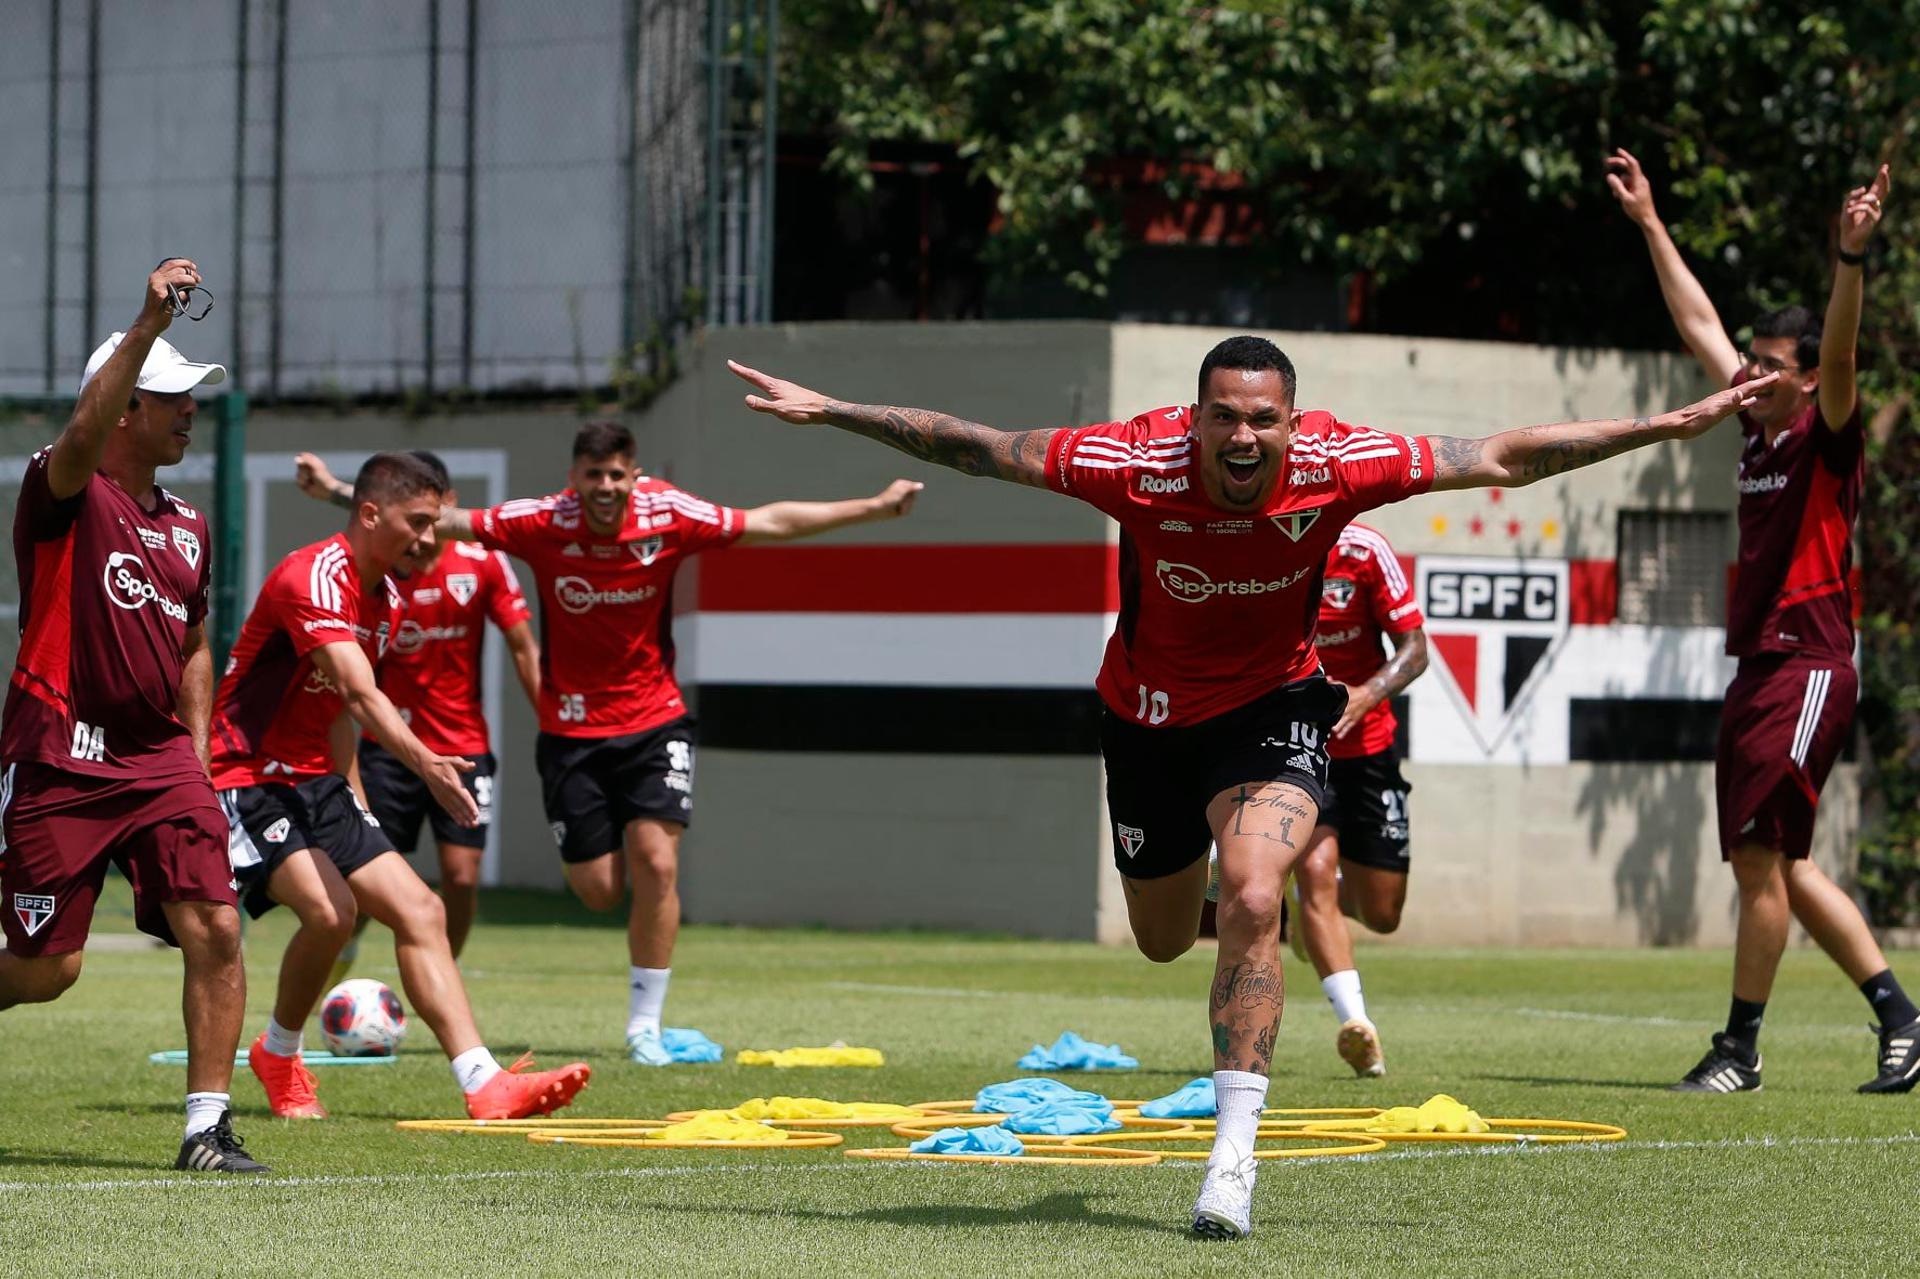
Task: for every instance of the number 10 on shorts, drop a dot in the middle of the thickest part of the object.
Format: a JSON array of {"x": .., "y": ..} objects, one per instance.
[{"x": 1153, "y": 706}]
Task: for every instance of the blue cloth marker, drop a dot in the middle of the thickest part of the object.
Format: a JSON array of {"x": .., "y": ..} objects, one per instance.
[
  {"x": 1019, "y": 1094},
  {"x": 685, "y": 1045},
  {"x": 1071, "y": 1052},
  {"x": 1190, "y": 1101},
  {"x": 1065, "y": 1118},
  {"x": 969, "y": 1141}
]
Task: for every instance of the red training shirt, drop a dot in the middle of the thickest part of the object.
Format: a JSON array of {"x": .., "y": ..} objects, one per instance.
[
  {"x": 274, "y": 708},
  {"x": 432, "y": 670},
  {"x": 108, "y": 592},
  {"x": 606, "y": 627},
  {"x": 1364, "y": 597},
  {"x": 1218, "y": 607}
]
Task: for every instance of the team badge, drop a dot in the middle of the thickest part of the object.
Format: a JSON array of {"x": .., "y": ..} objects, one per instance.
[
  {"x": 1296, "y": 523},
  {"x": 463, "y": 587},
  {"x": 559, "y": 830},
  {"x": 1337, "y": 591},
  {"x": 1496, "y": 626},
  {"x": 277, "y": 832},
  {"x": 647, "y": 549},
  {"x": 187, "y": 542},
  {"x": 1132, "y": 839},
  {"x": 34, "y": 911}
]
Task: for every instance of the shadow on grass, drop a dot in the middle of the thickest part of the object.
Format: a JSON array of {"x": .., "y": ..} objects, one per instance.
[
  {"x": 1570, "y": 1081},
  {"x": 10, "y": 1158},
  {"x": 1064, "y": 1208}
]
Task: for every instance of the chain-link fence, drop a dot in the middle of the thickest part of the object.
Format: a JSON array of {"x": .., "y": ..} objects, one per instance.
[{"x": 387, "y": 197}]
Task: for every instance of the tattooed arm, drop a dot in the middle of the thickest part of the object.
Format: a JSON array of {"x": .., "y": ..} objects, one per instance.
[
  {"x": 967, "y": 447},
  {"x": 1513, "y": 458},
  {"x": 1408, "y": 663}
]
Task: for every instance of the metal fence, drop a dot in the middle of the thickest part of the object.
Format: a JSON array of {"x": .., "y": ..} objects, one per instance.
[{"x": 386, "y": 197}]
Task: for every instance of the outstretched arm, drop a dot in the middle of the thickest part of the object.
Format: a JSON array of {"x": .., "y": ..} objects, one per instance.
[
  {"x": 786, "y": 521},
  {"x": 1859, "y": 216},
  {"x": 1688, "y": 303},
  {"x": 967, "y": 447},
  {"x": 322, "y": 485},
  {"x": 1513, "y": 458},
  {"x": 76, "y": 454}
]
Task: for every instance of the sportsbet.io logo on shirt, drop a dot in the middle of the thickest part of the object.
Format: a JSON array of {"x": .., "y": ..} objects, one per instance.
[
  {"x": 577, "y": 594},
  {"x": 1190, "y": 585},
  {"x": 128, "y": 587}
]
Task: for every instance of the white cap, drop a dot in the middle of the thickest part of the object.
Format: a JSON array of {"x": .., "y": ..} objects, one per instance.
[{"x": 166, "y": 371}]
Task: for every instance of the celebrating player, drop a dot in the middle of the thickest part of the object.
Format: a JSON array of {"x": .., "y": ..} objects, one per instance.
[
  {"x": 616, "y": 747},
  {"x": 448, "y": 592},
  {"x": 300, "y": 836},
  {"x": 1217, "y": 715},
  {"x": 1790, "y": 622},
  {"x": 104, "y": 737},
  {"x": 1356, "y": 860}
]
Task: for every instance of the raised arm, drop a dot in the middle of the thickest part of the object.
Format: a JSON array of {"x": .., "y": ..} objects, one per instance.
[
  {"x": 1859, "y": 217},
  {"x": 1513, "y": 458},
  {"x": 787, "y": 521},
  {"x": 76, "y": 454},
  {"x": 322, "y": 485},
  {"x": 1019, "y": 457},
  {"x": 346, "y": 665},
  {"x": 1688, "y": 303}
]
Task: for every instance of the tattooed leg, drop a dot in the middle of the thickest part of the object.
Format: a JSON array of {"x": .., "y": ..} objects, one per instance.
[{"x": 1261, "y": 829}]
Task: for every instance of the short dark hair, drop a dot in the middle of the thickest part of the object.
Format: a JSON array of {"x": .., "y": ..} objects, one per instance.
[
  {"x": 1247, "y": 352},
  {"x": 1798, "y": 323},
  {"x": 598, "y": 440},
  {"x": 395, "y": 477},
  {"x": 436, "y": 465}
]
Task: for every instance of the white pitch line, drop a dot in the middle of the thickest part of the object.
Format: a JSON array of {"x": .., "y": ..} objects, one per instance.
[
  {"x": 960, "y": 992},
  {"x": 263, "y": 1184},
  {"x": 1565, "y": 1014}
]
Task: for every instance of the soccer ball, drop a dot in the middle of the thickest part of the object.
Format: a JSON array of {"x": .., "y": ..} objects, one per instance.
[{"x": 361, "y": 1017}]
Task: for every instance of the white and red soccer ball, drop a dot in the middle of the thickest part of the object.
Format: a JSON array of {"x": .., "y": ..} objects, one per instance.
[{"x": 361, "y": 1017}]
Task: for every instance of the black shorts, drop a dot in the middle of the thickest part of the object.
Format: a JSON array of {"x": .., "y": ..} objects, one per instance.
[
  {"x": 1367, "y": 807},
  {"x": 1160, "y": 780},
  {"x": 594, "y": 786},
  {"x": 400, "y": 799},
  {"x": 267, "y": 823}
]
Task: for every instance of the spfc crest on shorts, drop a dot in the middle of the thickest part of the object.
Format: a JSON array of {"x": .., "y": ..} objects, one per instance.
[
  {"x": 34, "y": 910},
  {"x": 463, "y": 587},
  {"x": 1132, "y": 839}
]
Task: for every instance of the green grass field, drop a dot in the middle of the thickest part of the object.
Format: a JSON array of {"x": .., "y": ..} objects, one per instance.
[{"x": 1786, "y": 1181}]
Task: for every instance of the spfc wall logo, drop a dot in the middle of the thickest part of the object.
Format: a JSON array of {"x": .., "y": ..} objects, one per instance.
[{"x": 1496, "y": 626}]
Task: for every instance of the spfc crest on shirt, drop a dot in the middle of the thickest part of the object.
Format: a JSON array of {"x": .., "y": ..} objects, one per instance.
[
  {"x": 1296, "y": 523},
  {"x": 647, "y": 549},
  {"x": 34, "y": 910},
  {"x": 1496, "y": 626},
  {"x": 187, "y": 542},
  {"x": 463, "y": 587},
  {"x": 1337, "y": 591}
]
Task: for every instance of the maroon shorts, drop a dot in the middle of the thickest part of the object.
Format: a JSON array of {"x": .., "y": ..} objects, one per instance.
[
  {"x": 59, "y": 830},
  {"x": 1785, "y": 721}
]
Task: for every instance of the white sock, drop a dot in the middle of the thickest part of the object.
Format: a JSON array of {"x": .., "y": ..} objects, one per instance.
[
  {"x": 474, "y": 1069},
  {"x": 647, "y": 996},
  {"x": 204, "y": 1110},
  {"x": 1342, "y": 990},
  {"x": 282, "y": 1042},
  {"x": 1241, "y": 1095}
]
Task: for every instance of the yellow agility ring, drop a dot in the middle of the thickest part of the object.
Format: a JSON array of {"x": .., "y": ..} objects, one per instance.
[
  {"x": 1053, "y": 1155},
  {"x": 855, "y": 1121},
  {"x": 1539, "y": 1132},
  {"x": 510, "y": 1127},
  {"x": 635, "y": 1138},
  {"x": 927, "y": 1127},
  {"x": 1353, "y": 1143}
]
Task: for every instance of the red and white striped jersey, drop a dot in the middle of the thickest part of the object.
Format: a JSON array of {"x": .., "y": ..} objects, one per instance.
[
  {"x": 606, "y": 622},
  {"x": 432, "y": 670},
  {"x": 108, "y": 592},
  {"x": 1364, "y": 597},
  {"x": 1218, "y": 607},
  {"x": 274, "y": 707}
]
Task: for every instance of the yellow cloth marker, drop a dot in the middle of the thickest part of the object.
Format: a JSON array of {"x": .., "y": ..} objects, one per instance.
[{"x": 835, "y": 1055}]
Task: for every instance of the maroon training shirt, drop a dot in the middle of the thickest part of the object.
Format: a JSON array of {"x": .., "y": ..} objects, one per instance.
[{"x": 108, "y": 592}]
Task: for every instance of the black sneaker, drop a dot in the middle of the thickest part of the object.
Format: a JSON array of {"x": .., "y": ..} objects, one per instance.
[
  {"x": 1899, "y": 1059},
  {"x": 1725, "y": 1068},
  {"x": 217, "y": 1149}
]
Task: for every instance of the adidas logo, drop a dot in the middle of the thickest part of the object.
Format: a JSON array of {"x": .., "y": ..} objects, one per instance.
[{"x": 1302, "y": 763}]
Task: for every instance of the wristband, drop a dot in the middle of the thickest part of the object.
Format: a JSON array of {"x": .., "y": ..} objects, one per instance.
[{"x": 1851, "y": 259}]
